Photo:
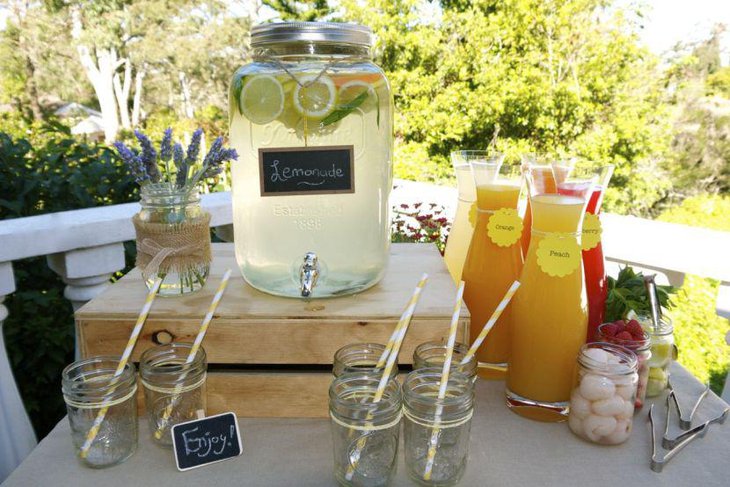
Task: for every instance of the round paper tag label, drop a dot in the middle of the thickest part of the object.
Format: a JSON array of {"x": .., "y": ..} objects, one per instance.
[
  {"x": 473, "y": 215},
  {"x": 558, "y": 255},
  {"x": 505, "y": 227},
  {"x": 591, "y": 231}
]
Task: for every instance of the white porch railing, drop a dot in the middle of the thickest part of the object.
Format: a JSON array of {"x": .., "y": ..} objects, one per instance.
[{"x": 85, "y": 248}]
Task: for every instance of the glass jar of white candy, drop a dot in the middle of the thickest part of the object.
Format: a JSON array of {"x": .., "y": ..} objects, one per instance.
[{"x": 602, "y": 401}]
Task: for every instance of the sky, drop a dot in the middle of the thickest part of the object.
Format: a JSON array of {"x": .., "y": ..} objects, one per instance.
[
  {"x": 666, "y": 22},
  {"x": 670, "y": 21}
]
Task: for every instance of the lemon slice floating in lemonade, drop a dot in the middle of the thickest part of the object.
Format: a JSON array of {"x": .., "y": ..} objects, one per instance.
[
  {"x": 351, "y": 90},
  {"x": 262, "y": 99},
  {"x": 314, "y": 97}
]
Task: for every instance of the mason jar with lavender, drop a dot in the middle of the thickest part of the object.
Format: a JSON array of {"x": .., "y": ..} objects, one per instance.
[{"x": 173, "y": 236}]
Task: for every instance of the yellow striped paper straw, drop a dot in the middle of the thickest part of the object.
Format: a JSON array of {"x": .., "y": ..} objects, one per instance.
[
  {"x": 400, "y": 334},
  {"x": 122, "y": 363},
  {"x": 194, "y": 350},
  {"x": 492, "y": 320},
  {"x": 444, "y": 380},
  {"x": 405, "y": 316}
]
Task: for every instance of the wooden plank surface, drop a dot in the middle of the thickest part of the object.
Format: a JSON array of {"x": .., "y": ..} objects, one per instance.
[
  {"x": 385, "y": 300},
  {"x": 263, "y": 394},
  {"x": 262, "y": 342},
  {"x": 251, "y": 327}
]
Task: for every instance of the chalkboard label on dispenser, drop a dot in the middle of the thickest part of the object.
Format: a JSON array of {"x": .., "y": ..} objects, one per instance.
[
  {"x": 204, "y": 441},
  {"x": 306, "y": 170}
]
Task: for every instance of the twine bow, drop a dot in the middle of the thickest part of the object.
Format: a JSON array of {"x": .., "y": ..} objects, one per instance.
[{"x": 180, "y": 246}]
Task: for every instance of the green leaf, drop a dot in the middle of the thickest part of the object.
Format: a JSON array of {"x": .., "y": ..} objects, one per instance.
[
  {"x": 344, "y": 110},
  {"x": 236, "y": 87}
]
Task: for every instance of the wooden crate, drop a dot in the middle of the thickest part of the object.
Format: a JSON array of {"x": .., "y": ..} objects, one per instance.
[{"x": 270, "y": 356}]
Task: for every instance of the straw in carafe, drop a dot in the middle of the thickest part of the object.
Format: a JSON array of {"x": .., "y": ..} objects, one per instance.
[{"x": 656, "y": 312}]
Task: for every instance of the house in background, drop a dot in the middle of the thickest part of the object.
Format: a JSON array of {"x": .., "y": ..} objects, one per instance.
[{"x": 83, "y": 120}]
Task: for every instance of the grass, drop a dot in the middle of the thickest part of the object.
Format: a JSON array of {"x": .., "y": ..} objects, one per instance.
[{"x": 699, "y": 332}]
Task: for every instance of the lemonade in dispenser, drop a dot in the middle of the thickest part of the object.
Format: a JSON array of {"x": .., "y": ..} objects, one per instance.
[{"x": 311, "y": 118}]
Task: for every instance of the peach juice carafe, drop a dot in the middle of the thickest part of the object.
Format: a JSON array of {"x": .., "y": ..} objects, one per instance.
[
  {"x": 494, "y": 260},
  {"x": 462, "y": 228},
  {"x": 311, "y": 119},
  {"x": 550, "y": 310}
]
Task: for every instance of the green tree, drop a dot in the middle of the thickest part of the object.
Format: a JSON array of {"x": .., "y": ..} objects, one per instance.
[
  {"x": 700, "y": 155},
  {"x": 553, "y": 76},
  {"x": 136, "y": 56},
  {"x": 307, "y": 10},
  {"x": 34, "y": 56}
]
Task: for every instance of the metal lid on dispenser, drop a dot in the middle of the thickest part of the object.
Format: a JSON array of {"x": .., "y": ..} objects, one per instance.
[{"x": 334, "y": 32}]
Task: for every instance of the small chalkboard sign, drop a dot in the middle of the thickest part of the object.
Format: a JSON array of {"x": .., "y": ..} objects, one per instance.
[
  {"x": 205, "y": 441},
  {"x": 306, "y": 170}
]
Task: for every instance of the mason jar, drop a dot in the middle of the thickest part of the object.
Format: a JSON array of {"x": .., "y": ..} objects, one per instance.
[
  {"x": 93, "y": 394},
  {"x": 365, "y": 433},
  {"x": 359, "y": 357},
  {"x": 173, "y": 239},
  {"x": 436, "y": 431},
  {"x": 311, "y": 117},
  {"x": 433, "y": 354},
  {"x": 604, "y": 393},
  {"x": 642, "y": 350},
  {"x": 663, "y": 353},
  {"x": 174, "y": 389}
]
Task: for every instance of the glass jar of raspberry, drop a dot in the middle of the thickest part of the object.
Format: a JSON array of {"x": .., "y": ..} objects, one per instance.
[{"x": 632, "y": 337}]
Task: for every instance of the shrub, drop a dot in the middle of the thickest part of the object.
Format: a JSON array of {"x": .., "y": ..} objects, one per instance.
[
  {"x": 53, "y": 172},
  {"x": 699, "y": 332}
]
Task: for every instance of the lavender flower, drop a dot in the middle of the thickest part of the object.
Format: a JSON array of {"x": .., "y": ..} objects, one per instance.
[
  {"x": 133, "y": 162},
  {"x": 182, "y": 168},
  {"x": 166, "y": 146},
  {"x": 216, "y": 165},
  {"x": 178, "y": 155},
  {"x": 144, "y": 166},
  {"x": 212, "y": 155},
  {"x": 194, "y": 148},
  {"x": 149, "y": 156}
]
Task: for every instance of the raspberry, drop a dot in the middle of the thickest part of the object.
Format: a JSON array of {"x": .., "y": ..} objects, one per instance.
[
  {"x": 609, "y": 329},
  {"x": 634, "y": 327},
  {"x": 625, "y": 335},
  {"x": 620, "y": 325}
]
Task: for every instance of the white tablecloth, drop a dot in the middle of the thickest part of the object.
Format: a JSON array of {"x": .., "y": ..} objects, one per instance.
[{"x": 506, "y": 450}]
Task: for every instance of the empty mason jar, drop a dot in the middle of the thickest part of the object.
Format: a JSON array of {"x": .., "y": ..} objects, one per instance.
[
  {"x": 433, "y": 354},
  {"x": 364, "y": 433},
  {"x": 174, "y": 390},
  {"x": 89, "y": 388},
  {"x": 441, "y": 424},
  {"x": 359, "y": 357}
]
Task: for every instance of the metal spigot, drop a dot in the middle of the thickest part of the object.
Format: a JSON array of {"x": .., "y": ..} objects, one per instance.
[{"x": 308, "y": 274}]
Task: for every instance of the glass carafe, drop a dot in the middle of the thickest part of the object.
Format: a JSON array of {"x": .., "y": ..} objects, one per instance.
[
  {"x": 494, "y": 260},
  {"x": 462, "y": 227},
  {"x": 550, "y": 310},
  {"x": 540, "y": 168},
  {"x": 311, "y": 119},
  {"x": 594, "y": 264}
]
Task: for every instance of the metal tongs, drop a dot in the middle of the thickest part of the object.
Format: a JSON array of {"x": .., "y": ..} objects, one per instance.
[
  {"x": 657, "y": 464},
  {"x": 676, "y": 444},
  {"x": 685, "y": 421}
]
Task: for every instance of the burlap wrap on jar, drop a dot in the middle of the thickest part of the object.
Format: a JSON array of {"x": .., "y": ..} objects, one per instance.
[{"x": 172, "y": 247}]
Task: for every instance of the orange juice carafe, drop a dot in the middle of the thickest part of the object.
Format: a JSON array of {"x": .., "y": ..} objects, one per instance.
[
  {"x": 550, "y": 310},
  {"x": 462, "y": 228},
  {"x": 494, "y": 260}
]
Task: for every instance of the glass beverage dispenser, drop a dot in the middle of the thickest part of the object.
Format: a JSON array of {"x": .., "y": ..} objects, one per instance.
[{"x": 311, "y": 119}]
